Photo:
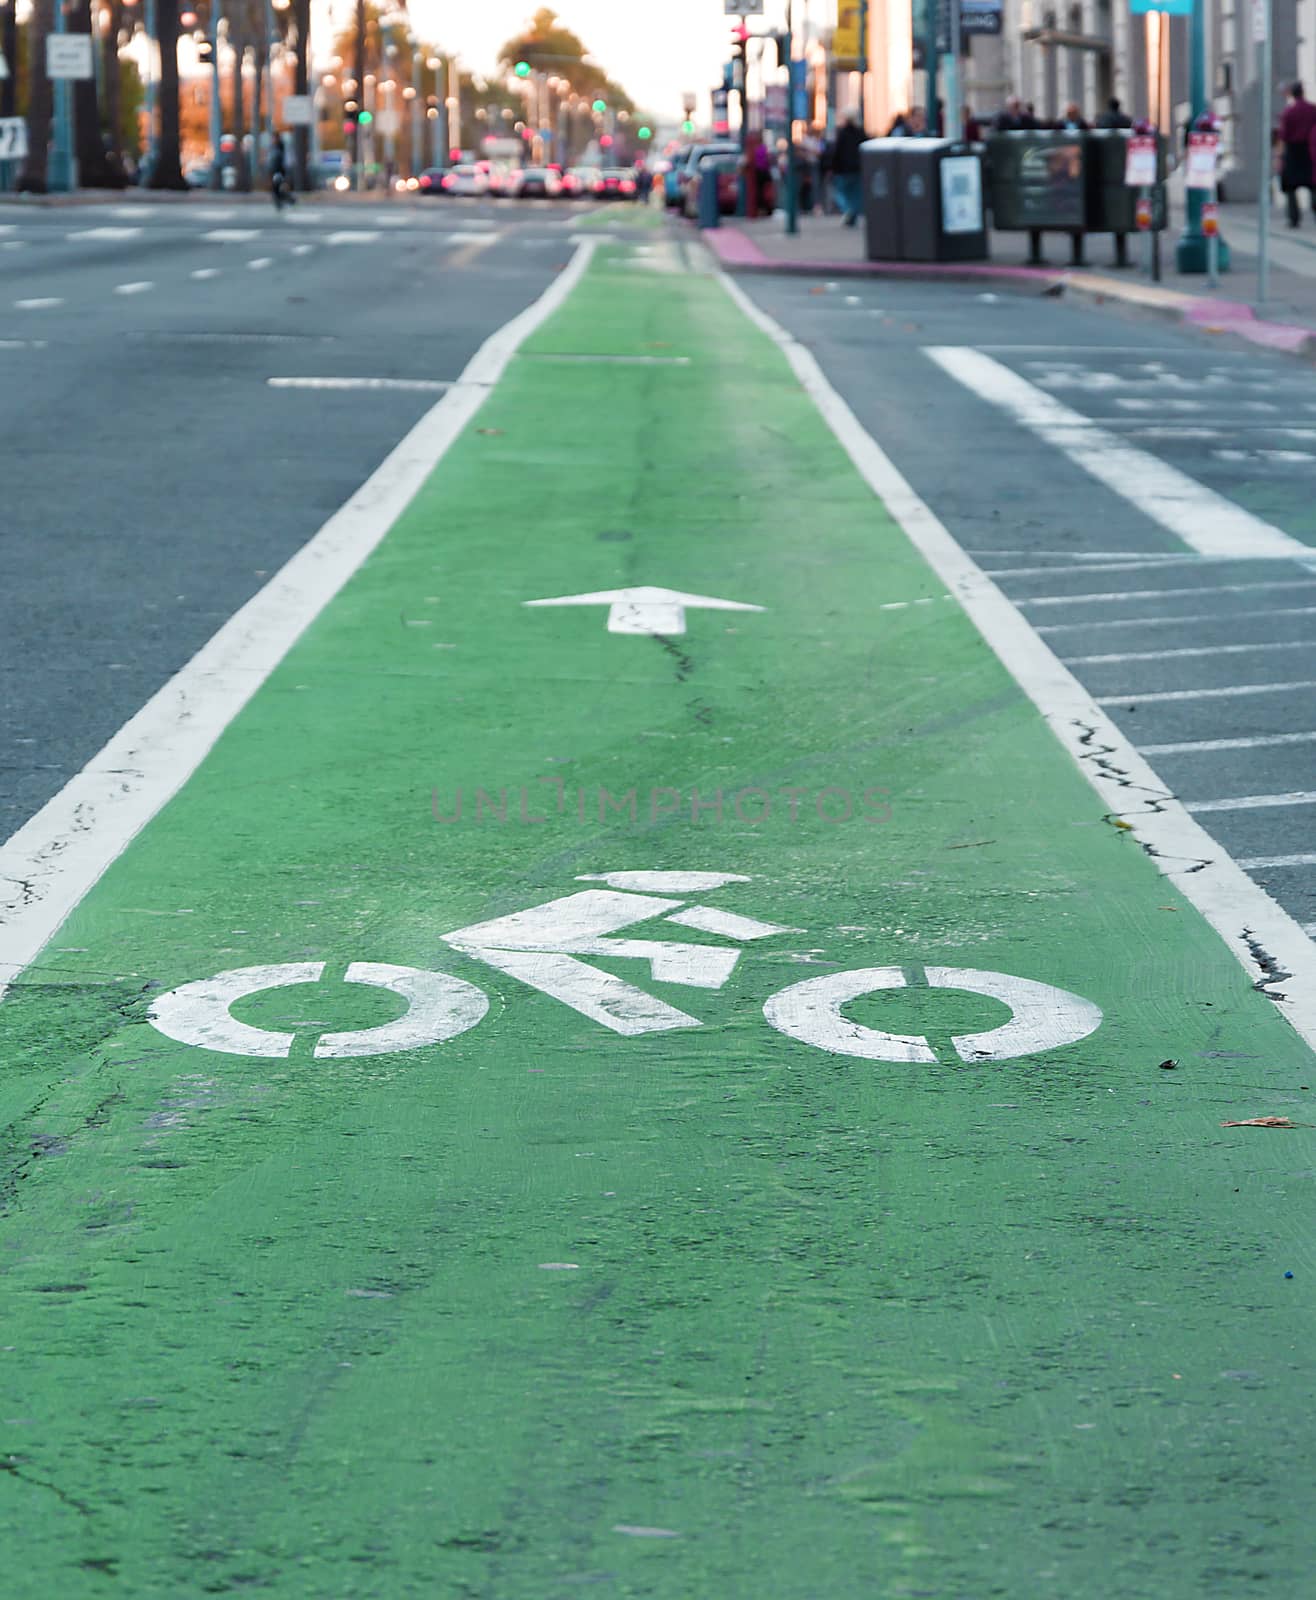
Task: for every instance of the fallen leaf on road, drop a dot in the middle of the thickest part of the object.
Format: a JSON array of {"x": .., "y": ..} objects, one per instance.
[{"x": 1264, "y": 1122}]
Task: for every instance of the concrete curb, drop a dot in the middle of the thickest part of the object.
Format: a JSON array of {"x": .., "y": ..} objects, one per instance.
[{"x": 739, "y": 253}]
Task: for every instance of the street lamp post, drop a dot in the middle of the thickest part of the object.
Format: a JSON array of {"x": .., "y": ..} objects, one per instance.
[
  {"x": 62, "y": 173},
  {"x": 1192, "y": 253},
  {"x": 216, "y": 111},
  {"x": 417, "y": 102}
]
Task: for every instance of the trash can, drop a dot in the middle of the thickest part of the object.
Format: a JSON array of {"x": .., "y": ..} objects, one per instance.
[
  {"x": 1111, "y": 204},
  {"x": 1038, "y": 184},
  {"x": 878, "y": 174},
  {"x": 709, "y": 209},
  {"x": 923, "y": 200},
  {"x": 942, "y": 217}
]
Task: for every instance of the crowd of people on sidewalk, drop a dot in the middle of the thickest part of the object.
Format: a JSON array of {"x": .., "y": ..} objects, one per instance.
[{"x": 828, "y": 174}]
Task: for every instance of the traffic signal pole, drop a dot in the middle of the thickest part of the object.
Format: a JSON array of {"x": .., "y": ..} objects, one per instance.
[{"x": 792, "y": 176}]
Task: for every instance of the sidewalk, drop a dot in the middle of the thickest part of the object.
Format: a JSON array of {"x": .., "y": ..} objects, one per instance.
[{"x": 825, "y": 246}]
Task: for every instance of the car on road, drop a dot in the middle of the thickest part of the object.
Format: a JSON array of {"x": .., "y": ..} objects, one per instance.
[
  {"x": 465, "y": 179},
  {"x": 614, "y": 183},
  {"x": 725, "y": 149},
  {"x": 578, "y": 181},
  {"x": 431, "y": 181},
  {"x": 533, "y": 183}
]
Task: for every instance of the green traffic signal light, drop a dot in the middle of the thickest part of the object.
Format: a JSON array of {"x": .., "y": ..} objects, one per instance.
[
  {"x": 687, "y": 126},
  {"x": 522, "y": 69},
  {"x": 600, "y": 105},
  {"x": 645, "y": 133},
  {"x": 365, "y": 118}
]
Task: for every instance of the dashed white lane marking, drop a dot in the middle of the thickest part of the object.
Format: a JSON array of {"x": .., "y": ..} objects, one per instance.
[
  {"x": 462, "y": 237},
  {"x": 1255, "y": 802},
  {"x": 1203, "y": 519},
  {"x": 133, "y": 288},
  {"x": 1156, "y": 594},
  {"x": 1098, "y": 566},
  {"x": 232, "y": 235},
  {"x": 1160, "y": 622},
  {"x": 903, "y": 605},
  {"x": 14, "y": 244},
  {"x": 1187, "y": 650},
  {"x": 206, "y": 272},
  {"x": 302, "y": 249},
  {"x": 365, "y": 236},
  {"x": 104, "y": 233},
  {"x": 406, "y": 385},
  {"x": 260, "y": 262},
  {"x": 1139, "y": 403},
  {"x": 1259, "y": 741},
  {"x": 1272, "y": 457},
  {"x": 1304, "y": 858},
  {"x": 41, "y": 303},
  {"x": 22, "y": 344},
  {"x": 1205, "y": 694}
]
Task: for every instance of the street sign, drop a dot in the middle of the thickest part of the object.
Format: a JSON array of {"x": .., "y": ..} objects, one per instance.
[
  {"x": 646, "y": 610},
  {"x": 1171, "y": 8},
  {"x": 68, "y": 55},
  {"x": 1203, "y": 149},
  {"x": 1260, "y": 11},
  {"x": 298, "y": 110},
  {"x": 743, "y": 8},
  {"x": 961, "y": 194},
  {"x": 848, "y": 36},
  {"x": 389, "y": 123},
  {"x": 13, "y": 139},
  {"x": 1140, "y": 162},
  {"x": 980, "y": 17}
]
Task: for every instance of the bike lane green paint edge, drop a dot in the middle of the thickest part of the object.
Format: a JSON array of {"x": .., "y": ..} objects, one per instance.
[{"x": 701, "y": 1312}]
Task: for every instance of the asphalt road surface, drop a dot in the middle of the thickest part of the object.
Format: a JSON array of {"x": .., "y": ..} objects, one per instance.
[
  {"x": 1207, "y": 662},
  {"x": 187, "y": 392}
]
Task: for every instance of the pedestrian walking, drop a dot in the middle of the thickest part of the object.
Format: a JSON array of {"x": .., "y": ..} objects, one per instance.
[
  {"x": 1297, "y": 126},
  {"x": 845, "y": 167},
  {"x": 1114, "y": 116},
  {"x": 1073, "y": 120},
  {"x": 280, "y": 188},
  {"x": 1014, "y": 116}
]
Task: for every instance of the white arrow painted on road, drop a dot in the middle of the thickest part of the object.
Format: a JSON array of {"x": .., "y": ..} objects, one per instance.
[{"x": 646, "y": 610}]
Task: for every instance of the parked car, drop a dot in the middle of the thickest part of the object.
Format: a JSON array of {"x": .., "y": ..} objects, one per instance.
[
  {"x": 685, "y": 172},
  {"x": 579, "y": 181},
  {"x": 197, "y": 174},
  {"x": 671, "y": 176},
  {"x": 467, "y": 180},
  {"x": 722, "y": 171},
  {"x": 614, "y": 183},
  {"x": 534, "y": 182}
]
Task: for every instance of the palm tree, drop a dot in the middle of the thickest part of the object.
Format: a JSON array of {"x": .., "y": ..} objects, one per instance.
[
  {"x": 32, "y": 177},
  {"x": 167, "y": 169}
]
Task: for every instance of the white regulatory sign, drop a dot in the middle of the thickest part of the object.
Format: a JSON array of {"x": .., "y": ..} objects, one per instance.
[
  {"x": 68, "y": 55},
  {"x": 13, "y": 139},
  {"x": 298, "y": 111}
]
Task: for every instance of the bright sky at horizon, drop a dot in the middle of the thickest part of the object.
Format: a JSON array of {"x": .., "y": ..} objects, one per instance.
[{"x": 656, "y": 52}]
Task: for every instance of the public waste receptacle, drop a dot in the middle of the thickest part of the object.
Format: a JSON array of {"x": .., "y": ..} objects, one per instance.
[
  {"x": 710, "y": 210},
  {"x": 1038, "y": 184},
  {"x": 923, "y": 200},
  {"x": 881, "y": 181},
  {"x": 1111, "y": 203}
]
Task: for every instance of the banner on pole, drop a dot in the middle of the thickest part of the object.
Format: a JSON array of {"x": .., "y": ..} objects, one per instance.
[
  {"x": 1203, "y": 148},
  {"x": 1140, "y": 162},
  {"x": 848, "y": 39}
]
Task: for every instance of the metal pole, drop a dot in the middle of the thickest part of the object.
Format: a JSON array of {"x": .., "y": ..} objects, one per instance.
[
  {"x": 63, "y": 173},
  {"x": 1191, "y": 252},
  {"x": 953, "y": 120},
  {"x": 216, "y": 120},
  {"x": 792, "y": 176},
  {"x": 151, "y": 145},
  {"x": 269, "y": 77},
  {"x": 1266, "y": 71},
  {"x": 417, "y": 101}
]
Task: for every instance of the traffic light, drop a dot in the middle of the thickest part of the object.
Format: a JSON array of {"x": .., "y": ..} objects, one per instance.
[
  {"x": 600, "y": 106},
  {"x": 644, "y": 133},
  {"x": 687, "y": 126},
  {"x": 522, "y": 69},
  {"x": 365, "y": 118}
]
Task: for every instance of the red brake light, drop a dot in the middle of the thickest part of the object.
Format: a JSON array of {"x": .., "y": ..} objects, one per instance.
[
  {"x": 426, "y": 181},
  {"x": 627, "y": 187}
]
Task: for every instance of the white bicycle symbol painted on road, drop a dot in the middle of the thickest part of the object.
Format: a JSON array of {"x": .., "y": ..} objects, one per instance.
[{"x": 542, "y": 947}]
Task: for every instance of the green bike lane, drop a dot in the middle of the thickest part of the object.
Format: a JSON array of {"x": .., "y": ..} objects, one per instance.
[{"x": 583, "y": 1298}]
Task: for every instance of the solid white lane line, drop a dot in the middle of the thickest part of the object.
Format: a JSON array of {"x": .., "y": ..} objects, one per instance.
[
  {"x": 1204, "y": 694},
  {"x": 1102, "y": 566},
  {"x": 1203, "y": 519},
  {"x": 1304, "y": 858},
  {"x": 133, "y": 288},
  {"x": 1188, "y": 650},
  {"x": 1240, "y": 911},
  {"x": 1049, "y": 628},
  {"x": 406, "y": 385},
  {"x": 232, "y": 235},
  {"x": 1157, "y": 594},
  {"x": 369, "y": 236},
  {"x": 206, "y": 272},
  {"x": 57, "y": 856},
  {"x": 258, "y": 262},
  {"x": 1254, "y": 802},
  {"x": 1259, "y": 741},
  {"x": 104, "y": 233},
  {"x": 42, "y": 303}
]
